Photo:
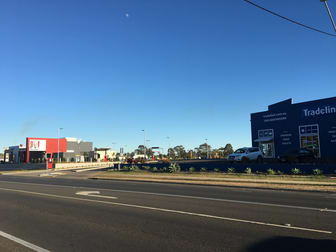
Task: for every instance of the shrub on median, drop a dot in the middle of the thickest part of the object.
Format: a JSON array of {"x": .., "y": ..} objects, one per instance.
[
  {"x": 296, "y": 171},
  {"x": 248, "y": 170},
  {"x": 174, "y": 167},
  {"x": 203, "y": 169},
  {"x": 191, "y": 169},
  {"x": 125, "y": 168},
  {"x": 317, "y": 172},
  {"x": 146, "y": 167},
  {"x": 154, "y": 169},
  {"x": 216, "y": 170},
  {"x": 231, "y": 170},
  {"x": 134, "y": 168},
  {"x": 279, "y": 172},
  {"x": 270, "y": 172}
]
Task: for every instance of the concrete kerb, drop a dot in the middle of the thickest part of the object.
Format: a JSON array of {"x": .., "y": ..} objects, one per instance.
[
  {"x": 64, "y": 167},
  {"x": 314, "y": 186}
]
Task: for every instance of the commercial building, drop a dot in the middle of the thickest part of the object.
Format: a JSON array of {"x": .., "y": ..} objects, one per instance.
[
  {"x": 38, "y": 149},
  {"x": 104, "y": 154},
  {"x": 77, "y": 150},
  {"x": 15, "y": 154},
  {"x": 286, "y": 126}
]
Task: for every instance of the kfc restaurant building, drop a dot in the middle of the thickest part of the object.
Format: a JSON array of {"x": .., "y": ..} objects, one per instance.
[{"x": 37, "y": 149}]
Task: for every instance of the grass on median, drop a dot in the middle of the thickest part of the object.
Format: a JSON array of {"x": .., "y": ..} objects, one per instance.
[{"x": 202, "y": 174}]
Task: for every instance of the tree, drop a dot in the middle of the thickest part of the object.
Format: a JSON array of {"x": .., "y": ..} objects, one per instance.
[
  {"x": 180, "y": 152},
  {"x": 171, "y": 153},
  {"x": 141, "y": 149},
  {"x": 225, "y": 151},
  {"x": 149, "y": 152},
  {"x": 228, "y": 149},
  {"x": 204, "y": 149}
]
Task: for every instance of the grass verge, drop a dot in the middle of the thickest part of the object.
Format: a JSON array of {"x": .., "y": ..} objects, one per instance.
[{"x": 289, "y": 182}]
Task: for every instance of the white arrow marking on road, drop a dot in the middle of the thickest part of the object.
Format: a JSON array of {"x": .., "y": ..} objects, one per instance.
[{"x": 94, "y": 194}]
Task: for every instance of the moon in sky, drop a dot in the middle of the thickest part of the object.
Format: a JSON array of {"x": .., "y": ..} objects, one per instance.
[{"x": 127, "y": 15}]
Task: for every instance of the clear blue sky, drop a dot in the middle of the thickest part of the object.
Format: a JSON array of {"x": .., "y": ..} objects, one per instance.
[{"x": 190, "y": 70}]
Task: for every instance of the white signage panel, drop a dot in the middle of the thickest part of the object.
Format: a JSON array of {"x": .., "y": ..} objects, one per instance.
[{"x": 37, "y": 145}]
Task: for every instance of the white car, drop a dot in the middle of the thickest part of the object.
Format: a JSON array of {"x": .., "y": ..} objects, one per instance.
[{"x": 246, "y": 154}]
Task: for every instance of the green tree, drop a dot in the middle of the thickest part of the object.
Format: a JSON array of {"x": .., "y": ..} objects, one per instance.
[
  {"x": 141, "y": 149},
  {"x": 149, "y": 152},
  {"x": 171, "y": 153},
  {"x": 204, "y": 149},
  {"x": 180, "y": 152},
  {"x": 227, "y": 150}
]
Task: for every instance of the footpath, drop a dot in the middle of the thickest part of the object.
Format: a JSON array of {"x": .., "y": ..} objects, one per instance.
[{"x": 302, "y": 183}]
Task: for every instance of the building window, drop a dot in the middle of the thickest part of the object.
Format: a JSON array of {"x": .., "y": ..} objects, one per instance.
[
  {"x": 309, "y": 138},
  {"x": 265, "y": 133}
]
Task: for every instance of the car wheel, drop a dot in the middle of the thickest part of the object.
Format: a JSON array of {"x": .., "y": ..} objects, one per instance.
[
  {"x": 259, "y": 159},
  {"x": 244, "y": 159}
]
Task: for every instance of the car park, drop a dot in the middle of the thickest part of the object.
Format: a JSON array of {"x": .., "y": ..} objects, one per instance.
[{"x": 246, "y": 154}]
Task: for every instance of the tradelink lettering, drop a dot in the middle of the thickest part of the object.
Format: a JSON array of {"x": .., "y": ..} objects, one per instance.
[{"x": 320, "y": 111}]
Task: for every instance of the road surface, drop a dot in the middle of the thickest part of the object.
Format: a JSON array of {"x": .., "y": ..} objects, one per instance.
[{"x": 76, "y": 214}]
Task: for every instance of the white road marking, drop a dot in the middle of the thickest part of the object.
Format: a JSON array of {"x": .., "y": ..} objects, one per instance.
[
  {"x": 22, "y": 242},
  {"x": 57, "y": 173},
  {"x": 170, "y": 211},
  {"x": 188, "y": 197},
  {"x": 94, "y": 194},
  {"x": 45, "y": 175}
]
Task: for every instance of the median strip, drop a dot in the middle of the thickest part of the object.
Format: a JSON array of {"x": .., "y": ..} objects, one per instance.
[{"x": 222, "y": 180}]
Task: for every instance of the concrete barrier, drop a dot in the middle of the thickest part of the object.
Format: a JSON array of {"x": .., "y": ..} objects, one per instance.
[{"x": 65, "y": 166}]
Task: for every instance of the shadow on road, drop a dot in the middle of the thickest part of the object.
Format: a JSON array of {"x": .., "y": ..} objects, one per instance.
[{"x": 283, "y": 243}]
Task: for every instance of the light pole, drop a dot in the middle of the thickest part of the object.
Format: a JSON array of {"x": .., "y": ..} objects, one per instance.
[
  {"x": 144, "y": 142},
  {"x": 58, "y": 137},
  {"x": 168, "y": 146},
  {"x": 206, "y": 141},
  {"x": 115, "y": 150},
  {"x": 329, "y": 13}
]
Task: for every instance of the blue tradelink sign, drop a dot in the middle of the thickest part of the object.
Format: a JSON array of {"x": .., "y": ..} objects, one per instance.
[{"x": 310, "y": 125}]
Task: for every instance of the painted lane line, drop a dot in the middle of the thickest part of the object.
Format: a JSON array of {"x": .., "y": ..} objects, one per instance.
[
  {"x": 95, "y": 194},
  {"x": 228, "y": 200},
  {"x": 171, "y": 211},
  {"x": 191, "y": 197},
  {"x": 22, "y": 242}
]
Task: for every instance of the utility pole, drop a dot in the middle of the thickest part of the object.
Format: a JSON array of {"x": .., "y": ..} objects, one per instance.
[
  {"x": 206, "y": 141},
  {"x": 58, "y": 137},
  {"x": 144, "y": 143},
  {"x": 168, "y": 146},
  {"x": 329, "y": 13}
]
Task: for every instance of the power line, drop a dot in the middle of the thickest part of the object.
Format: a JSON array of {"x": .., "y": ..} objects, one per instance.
[{"x": 290, "y": 20}]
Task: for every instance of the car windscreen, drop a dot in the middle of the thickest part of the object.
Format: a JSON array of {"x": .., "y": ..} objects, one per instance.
[{"x": 240, "y": 151}]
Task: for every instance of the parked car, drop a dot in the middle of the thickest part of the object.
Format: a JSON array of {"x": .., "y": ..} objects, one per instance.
[
  {"x": 297, "y": 156},
  {"x": 246, "y": 154}
]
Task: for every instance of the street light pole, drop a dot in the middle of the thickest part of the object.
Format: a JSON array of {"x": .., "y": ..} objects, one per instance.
[
  {"x": 329, "y": 13},
  {"x": 58, "y": 137},
  {"x": 168, "y": 146},
  {"x": 206, "y": 141},
  {"x": 113, "y": 144},
  {"x": 144, "y": 143}
]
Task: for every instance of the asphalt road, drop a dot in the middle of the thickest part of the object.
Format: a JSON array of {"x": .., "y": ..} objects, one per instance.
[{"x": 48, "y": 213}]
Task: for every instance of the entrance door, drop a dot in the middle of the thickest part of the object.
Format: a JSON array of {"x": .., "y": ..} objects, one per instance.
[
  {"x": 267, "y": 149},
  {"x": 266, "y": 142}
]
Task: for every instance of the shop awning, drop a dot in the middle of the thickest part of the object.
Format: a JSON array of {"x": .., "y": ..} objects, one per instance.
[{"x": 263, "y": 139}]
